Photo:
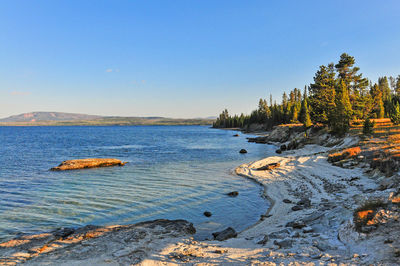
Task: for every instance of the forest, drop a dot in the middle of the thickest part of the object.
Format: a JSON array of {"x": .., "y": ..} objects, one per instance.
[{"x": 339, "y": 94}]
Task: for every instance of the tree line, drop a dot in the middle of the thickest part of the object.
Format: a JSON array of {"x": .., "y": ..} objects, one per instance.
[{"x": 338, "y": 95}]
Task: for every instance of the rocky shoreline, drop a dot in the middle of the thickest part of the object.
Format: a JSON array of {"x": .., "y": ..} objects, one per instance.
[{"x": 321, "y": 212}]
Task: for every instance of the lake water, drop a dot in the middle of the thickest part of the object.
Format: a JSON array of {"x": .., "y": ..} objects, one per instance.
[{"x": 173, "y": 172}]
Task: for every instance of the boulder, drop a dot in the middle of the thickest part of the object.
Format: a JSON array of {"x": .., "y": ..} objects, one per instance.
[
  {"x": 308, "y": 229},
  {"x": 87, "y": 163},
  {"x": 263, "y": 241},
  {"x": 242, "y": 151},
  {"x": 297, "y": 208},
  {"x": 63, "y": 232},
  {"x": 225, "y": 234},
  {"x": 292, "y": 145},
  {"x": 236, "y": 135},
  {"x": 233, "y": 194},
  {"x": 207, "y": 214},
  {"x": 279, "y": 134},
  {"x": 280, "y": 234},
  {"x": 283, "y": 147},
  {"x": 296, "y": 224},
  {"x": 305, "y": 202},
  {"x": 278, "y": 151},
  {"x": 261, "y": 140},
  {"x": 286, "y": 243}
]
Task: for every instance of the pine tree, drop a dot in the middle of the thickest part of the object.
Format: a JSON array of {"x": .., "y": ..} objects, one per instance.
[
  {"x": 368, "y": 127},
  {"x": 378, "y": 107},
  {"x": 304, "y": 112},
  {"x": 355, "y": 83},
  {"x": 264, "y": 113},
  {"x": 384, "y": 88},
  {"x": 395, "y": 116},
  {"x": 340, "y": 123},
  {"x": 294, "y": 114},
  {"x": 397, "y": 86},
  {"x": 322, "y": 94}
]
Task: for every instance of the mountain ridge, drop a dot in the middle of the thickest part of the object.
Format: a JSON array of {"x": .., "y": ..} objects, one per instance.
[{"x": 66, "y": 119}]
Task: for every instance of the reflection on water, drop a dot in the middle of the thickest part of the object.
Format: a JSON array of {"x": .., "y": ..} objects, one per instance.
[{"x": 174, "y": 172}]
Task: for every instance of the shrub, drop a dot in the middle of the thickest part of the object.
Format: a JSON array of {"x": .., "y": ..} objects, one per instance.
[
  {"x": 365, "y": 213},
  {"x": 344, "y": 154}
]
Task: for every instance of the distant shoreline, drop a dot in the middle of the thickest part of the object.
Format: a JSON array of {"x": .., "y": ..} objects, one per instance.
[{"x": 80, "y": 123}]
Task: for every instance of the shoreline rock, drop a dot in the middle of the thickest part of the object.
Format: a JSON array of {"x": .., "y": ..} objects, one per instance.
[
  {"x": 94, "y": 245},
  {"x": 225, "y": 234}
]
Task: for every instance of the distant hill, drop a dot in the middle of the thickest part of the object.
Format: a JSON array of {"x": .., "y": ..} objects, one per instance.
[
  {"x": 68, "y": 119},
  {"x": 48, "y": 116}
]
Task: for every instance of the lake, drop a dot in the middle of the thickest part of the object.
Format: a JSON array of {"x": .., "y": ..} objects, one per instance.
[{"x": 173, "y": 172}]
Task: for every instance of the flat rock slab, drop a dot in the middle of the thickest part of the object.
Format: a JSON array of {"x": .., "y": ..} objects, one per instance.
[
  {"x": 95, "y": 245},
  {"x": 87, "y": 163}
]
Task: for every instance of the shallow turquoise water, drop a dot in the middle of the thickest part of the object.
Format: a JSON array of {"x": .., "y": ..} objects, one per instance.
[{"x": 174, "y": 172}]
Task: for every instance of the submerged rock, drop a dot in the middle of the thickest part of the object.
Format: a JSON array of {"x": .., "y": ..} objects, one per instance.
[
  {"x": 242, "y": 151},
  {"x": 225, "y": 234},
  {"x": 87, "y": 163},
  {"x": 236, "y": 135}
]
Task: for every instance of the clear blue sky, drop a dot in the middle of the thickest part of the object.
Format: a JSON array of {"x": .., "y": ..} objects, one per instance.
[{"x": 181, "y": 58}]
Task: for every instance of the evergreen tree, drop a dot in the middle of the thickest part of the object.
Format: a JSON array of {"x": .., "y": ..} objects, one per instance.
[
  {"x": 304, "y": 112},
  {"x": 384, "y": 88},
  {"x": 294, "y": 114},
  {"x": 322, "y": 94},
  {"x": 340, "y": 123},
  {"x": 354, "y": 82},
  {"x": 397, "y": 86},
  {"x": 264, "y": 113},
  {"x": 368, "y": 127},
  {"x": 270, "y": 100},
  {"x": 395, "y": 116},
  {"x": 378, "y": 107}
]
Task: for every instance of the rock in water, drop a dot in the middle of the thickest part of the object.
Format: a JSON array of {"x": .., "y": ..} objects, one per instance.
[
  {"x": 225, "y": 234},
  {"x": 207, "y": 214},
  {"x": 87, "y": 163},
  {"x": 233, "y": 194},
  {"x": 236, "y": 135},
  {"x": 242, "y": 151}
]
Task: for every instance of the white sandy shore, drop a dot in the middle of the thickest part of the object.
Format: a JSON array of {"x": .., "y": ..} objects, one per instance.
[{"x": 326, "y": 236}]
